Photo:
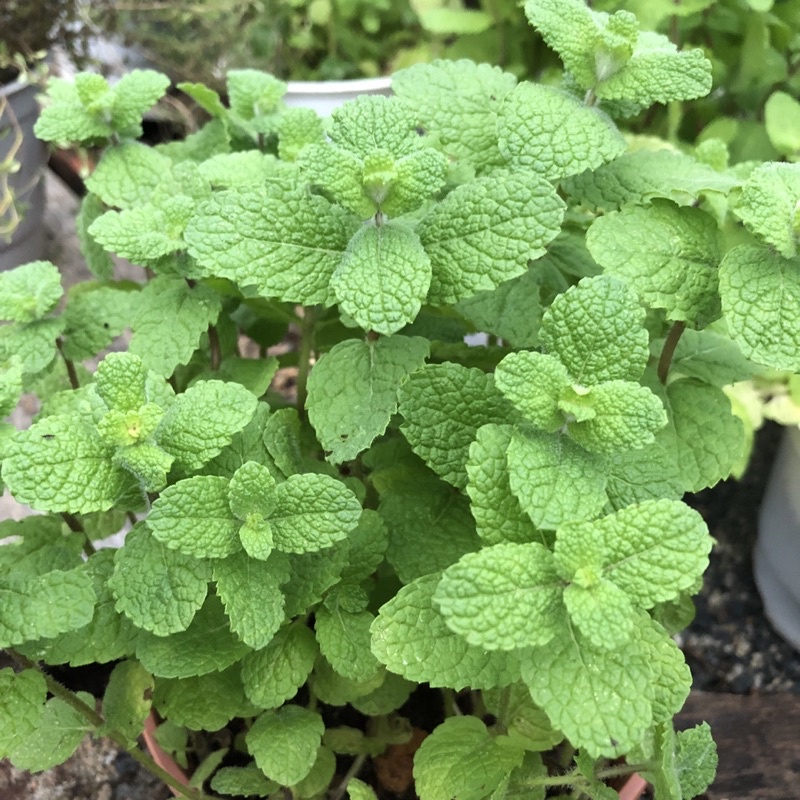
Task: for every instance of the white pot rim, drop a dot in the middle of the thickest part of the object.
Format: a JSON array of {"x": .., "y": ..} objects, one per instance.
[{"x": 365, "y": 85}]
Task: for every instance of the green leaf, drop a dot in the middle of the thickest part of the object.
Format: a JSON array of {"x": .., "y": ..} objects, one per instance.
[
  {"x": 412, "y": 639},
  {"x": 57, "y": 737},
  {"x": 312, "y": 512},
  {"x": 358, "y": 790},
  {"x": 383, "y": 277},
  {"x": 29, "y": 292},
  {"x": 504, "y": 597},
  {"x": 98, "y": 261},
  {"x": 127, "y": 699},
  {"x": 768, "y": 205},
  {"x": 22, "y": 704},
  {"x": 320, "y": 776},
  {"x": 250, "y": 591},
  {"x": 486, "y": 231},
  {"x": 760, "y": 295},
  {"x": 458, "y": 102},
  {"x": 193, "y": 516},
  {"x": 709, "y": 437},
  {"x": 462, "y": 760},
  {"x": 596, "y": 329},
  {"x": 599, "y": 698},
  {"x": 10, "y": 385},
  {"x": 134, "y": 94},
  {"x": 553, "y": 134},
  {"x": 203, "y": 420},
  {"x": 34, "y": 343},
  {"x": 311, "y": 575},
  {"x": 207, "y": 645},
  {"x": 388, "y": 697},
  {"x": 344, "y": 640},
  {"x": 171, "y": 318},
  {"x": 498, "y": 515},
  {"x": 523, "y": 720},
  {"x": 671, "y": 260},
  {"x": 782, "y": 121},
  {"x": 158, "y": 589},
  {"x": 252, "y": 491},
  {"x": 443, "y": 406},
  {"x": 94, "y": 316},
  {"x": 252, "y": 92},
  {"x": 710, "y": 356},
  {"x": 273, "y": 674},
  {"x": 249, "y": 781},
  {"x": 533, "y": 382},
  {"x": 696, "y": 759},
  {"x": 284, "y": 743},
  {"x": 286, "y": 245},
  {"x": 554, "y": 479},
  {"x": 601, "y": 611},
  {"x": 127, "y": 175},
  {"x": 352, "y": 391}
]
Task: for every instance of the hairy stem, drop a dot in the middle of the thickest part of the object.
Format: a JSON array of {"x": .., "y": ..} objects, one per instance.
[
  {"x": 351, "y": 773},
  {"x": 97, "y": 721},
  {"x": 68, "y": 363},
  {"x": 307, "y": 330},
  {"x": 668, "y": 351}
]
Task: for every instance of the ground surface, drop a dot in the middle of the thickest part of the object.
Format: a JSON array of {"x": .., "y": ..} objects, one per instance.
[{"x": 742, "y": 668}]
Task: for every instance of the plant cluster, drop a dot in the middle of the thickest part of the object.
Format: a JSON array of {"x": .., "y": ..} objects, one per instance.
[{"x": 503, "y": 523}]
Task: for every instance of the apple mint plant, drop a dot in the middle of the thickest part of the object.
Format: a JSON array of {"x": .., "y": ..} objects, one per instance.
[{"x": 501, "y": 523}]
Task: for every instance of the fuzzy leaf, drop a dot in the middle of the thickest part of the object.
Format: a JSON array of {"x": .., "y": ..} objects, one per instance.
[
  {"x": 352, "y": 391},
  {"x": 523, "y": 720},
  {"x": 273, "y": 674},
  {"x": 127, "y": 699},
  {"x": 486, "y": 231},
  {"x": 121, "y": 382},
  {"x": 411, "y": 638},
  {"x": 29, "y": 292},
  {"x": 127, "y": 176},
  {"x": 669, "y": 255},
  {"x": 344, "y": 640},
  {"x": 696, "y": 760},
  {"x": 249, "y": 781},
  {"x": 22, "y": 702},
  {"x": 95, "y": 315},
  {"x": 383, "y": 277},
  {"x": 157, "y": 588},
  {"x": 34, "y": 343},
  {"x": 553, "y": 134},
  {"x": 760, "y": 297},
  {"x": 504, "y": 597}
]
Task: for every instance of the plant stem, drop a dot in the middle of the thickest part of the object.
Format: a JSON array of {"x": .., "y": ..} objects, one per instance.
[
  {"x": 73, "y": 376},
  {"x": 213, "y": 343},
  {"x": 351, "y": 773},
  {"x": 76, "y": 526},
  {"x": 668, "y": 351},
  {"x": 307, "y": 330},
  {"x": 97, "y": 721}
]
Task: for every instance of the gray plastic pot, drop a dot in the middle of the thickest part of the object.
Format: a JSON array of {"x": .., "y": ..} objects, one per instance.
[
  {"x": 19, "y": 111},
  {"x": 776, "y": 560}
]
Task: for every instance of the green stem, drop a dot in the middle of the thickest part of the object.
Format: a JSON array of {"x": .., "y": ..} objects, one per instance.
[
  {"x": 307, "y": 331},
  {"x": 213, "y": 343},
  {"x": 668, "y": 351},
  {"x": 451, "y": 708},
  {"x": 69, "y": 364},
  {"x": 97, "y": 721},
  {"x": 351, "y": 773},
  {"x": 76, "y": 526}
]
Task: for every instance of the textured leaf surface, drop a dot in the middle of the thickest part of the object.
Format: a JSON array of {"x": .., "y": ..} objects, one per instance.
[
  {"x": 250, "y": 591},
  {"x": 352, "y": 391},
  {"x": 249, "y": 781},
  {"x": 344, "y": 640},
  {"x": 94, "y": 316},
  {"x": 485, "y": 232},
  {"x": 461, "y": 760},
  {"x": 157, "y": 588},
  {"x": 34, "y": 343},
  {"x": 760, "y": 297},
  {"x": 274, "y": 674},
  {"x": 30, "y": 291},
  {"x": 121, "y": 382},
  {"x": 669, "y": 255},
  {"x": 533, "y": 382},
  {"x": 696, "y": 759},
  {"x": 22, "y": 702},
  {"x": 383, "y": 277},
  {"x": 193, "y": 516},
  {"x": 284, "y": 743},
  {"x": 596, "y": 329},
  {"x": 553, "y": 134},
  {"x": 203, "y": 420},
  {"x": 127, "y": 699},
  {"x": 602, "y": 612},
  {"x": 127, "y": 175},
  {"x": 443, "y": 406},
  {"x": 524, "y": 721},
  {"x": 555, "y": 480},
  {"x": 504, "y": 597},
  {"x": 411, "y": 638}
]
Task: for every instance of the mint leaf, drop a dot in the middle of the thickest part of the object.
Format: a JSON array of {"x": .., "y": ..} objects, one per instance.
[
  {"x": 695, "y": 759},
  {"x": 311, "y": 575},
  {"x": 388, "y": 697},
  {"x": 486, "y": 231},
  {"x": 601, "y": 611},
  {"x": 10, "y": 384},
  {"x": 249, "y": 781},
  {"x": 596, "y": 329},
  {"x": 412, "y": 639},
  {"x": 251, "y": 492},
  {"x": 553, "y": 134},
  {"x": 250, "y": 591},
  {"x": 357, "y": 790},
  {"x": 760, "y": 291},
  {"x": 29, "y": 292},
  {"x": 352, "y": 391},
  {"x": 503, "y": 597},
  {"x": 94, "y": 316},
  {"x": 127, "y": 175},
  {"x": 461, "y": 759},
  {"x": 671, "y": 260},
  {"x": 206, "y": 645},
  {"x": 22, "y": 703},
  {"x": 98, "y": 261},
  {"x": 203, "y": 420},
  {"x": 383, "y": 277},
  {"x": 555, "y": 480},
  {"x": 499, "y": 518},
  {"x": 285, "y": 244},
  {"x": 454, "y": 98},
  {"x": 34, "y": 343},
  {"x": 127, "y": 699},
  {"x": 525, "y": 723},
  {"x": 158, "y": 589},
  {"x": 62, "y": 464},
  {"x": 344, "y": 640},
  {"x": 284, "y": 743},
  {"x": 443, "y": 406}
]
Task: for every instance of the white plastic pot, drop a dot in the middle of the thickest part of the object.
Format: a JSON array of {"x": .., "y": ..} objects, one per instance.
[
  {"x": 325, "y": 96},
  {"x": 776, "y": 559}
]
